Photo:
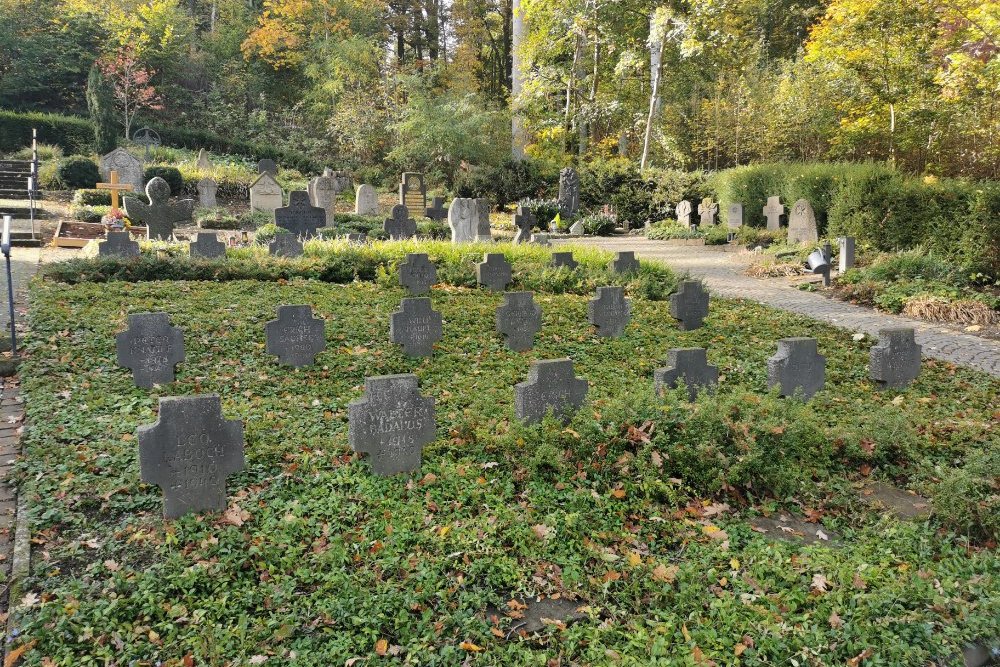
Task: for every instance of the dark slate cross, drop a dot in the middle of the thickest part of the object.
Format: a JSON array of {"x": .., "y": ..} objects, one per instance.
[
  {"x": 150, "y": 348},
  {"x": 437, "y": 211},
  {"x": 687, "y": 364},
  {"x": 564, "y": 259},
  {"x": 208, "y": 246},
  {"x": 400, "y": 226},
  {"x": 551, "y": 385},
  {"x": 689, "y": 304},
  {"x": 895, "y": 359},
  {"x": 160, "y": 215},
  {"x": 525, "y": 221},
  {"x": 416, "y": 326},
  {"x": 519, "y": 319},
  {"x": 494, "y": 272},
  {"x": 625, "y": 262},
  {"x": 417, "y": 273},
  {"x": 609, "y": 312},
  {"x": 285, "y": 245},
  {"x": 773, "y": 212},
  {"x": 189, "y": 451},
  {"x": 118, "y": 244},
  {"x": 300, "y": 217},
  {"x": 391, "y": 423},
  {"x": 296, "y": 337},
  {"x": 796, "y": 368},
  {"x": 267, "y": 165}
]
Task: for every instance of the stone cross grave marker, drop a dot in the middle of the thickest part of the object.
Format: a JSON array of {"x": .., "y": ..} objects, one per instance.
[
  {"x": 802, "y": 223},
  {"x": 400, "y": 226},
  {"x": 687, "y": 364},
  {"x": 115, "y": 187},
  {"x": 689, "y": 304},
  {"x": 417, "y": 273},
  {"x": 366, "y": 200},
  {"x": 416, "y": 326},
  {"x": 734, "y": 216},
  {"x": 895, "y": 359},
  {"x": 129, "y": 168},
  {"x": 203, "y": 164},
  {"x": 773, "y": 212},
  {"x": 357, "y": 237},
  {"x": 160, "y": 215},
  {"x": 797, "y": 367},
  {"x": 624, "y": 262},
  {"x": 483, "y": 232},
  {"x": 296, "y": 337},
  {"x": 609, "y": 312},
  {"x": 551, "y": 385},
  {"x": 285, "y": 245},
  {"x": 189, "y": 451},
  {"x": 267, "y": 166},
  {"x": 541, "y": 239},
  {"x": 265, "y": 193},
  {"x": 847, "y": 252},
  {"x": 560, "y": 259},
  {"x": 494, "y": 272},
  {"x": 569, "y": 192},
  {"x": 463, "y": 214},
  {"x": 518, "y": 320},
  {"x": 684, "y": 213},
  {"x": 300, "y": 217},
  {"x": 391, "y": 423},
  {"x": 208, "y": 246},
  {"x": 323, "y": 193},
  {"x": 524, "y": 220},
  {"x": 147, "y": 138},
  {"x": 150, "y": 348},
  {"x": 412, "y": 193},
  {"x": 207, "y": 189},
  {"x": 118, "y": 244},
  {"x": 707, "y": 211},
  {"x": 437, "y": 211}
]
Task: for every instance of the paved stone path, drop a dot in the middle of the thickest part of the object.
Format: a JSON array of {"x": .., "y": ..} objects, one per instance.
[
  {"x": 11, "y": 416},
  {"x": 723, "y": 273},
  {"x": 23, "y": 266}
]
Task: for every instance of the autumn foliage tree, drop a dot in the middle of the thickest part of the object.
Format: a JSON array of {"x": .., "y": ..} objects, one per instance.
[{"x": 130, "y": 84}]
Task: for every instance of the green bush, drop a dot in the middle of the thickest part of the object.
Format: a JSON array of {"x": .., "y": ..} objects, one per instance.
[
  {"x": 266, "y": 233},
  {"x": 671, "y": 229},
  {"x": 216, "y": 218},
  {"x": 544, "y": 210},
  {"x": 433, "y": 230},
  {"x": 716, "y": 235},
  {"x": 88, "y": 213},
  {"x": 71, "y": 133},
  {"x": 90, "y": 197},
  {"x": 968, "y": 498},
  {"x": 171, "y": 175},
  {"x": 77, "y": 171},
  {"x": 251, "y": 219},
  {"x": 599, "y": 224},
  {"x": 502, "y": 184}
]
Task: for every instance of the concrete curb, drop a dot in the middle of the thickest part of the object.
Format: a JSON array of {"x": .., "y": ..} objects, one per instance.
[{"x": 19, "y": 569}]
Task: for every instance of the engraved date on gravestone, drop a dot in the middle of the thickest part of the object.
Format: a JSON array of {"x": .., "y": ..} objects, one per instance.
[{"x": 391, "y": 423}]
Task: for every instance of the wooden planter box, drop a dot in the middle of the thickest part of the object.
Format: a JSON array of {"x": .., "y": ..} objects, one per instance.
[{"x": 73, "y": 234}]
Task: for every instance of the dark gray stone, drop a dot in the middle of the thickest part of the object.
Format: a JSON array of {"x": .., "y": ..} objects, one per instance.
[
  {"x": 416, "y": 326},
  {"x": 494, "y": 272},
  {"x": 609, "y": 312},
  {"x": 437, "y": 211},
  {"x": 564, "y": 259},
  {"x": 296, "y": 337},
  {"x": 267, "y": 166},
  {"x": 483, "y": 232},
  {"x": 895, "y": 359},
  {"x": 519, "y": 319},
  {"x": 285, "y": 245},
  {"x": 774, "y": 212},
  {"x": 118, "y": 244},
  {"x": 208, "y": 246},
  {"x": 569, "y": 193},
  {"x": 847, "y": 251},
  {"x": 400, "y": 226},
  {"x": 357, "y": 237},
  {"x": 300, "y": 217},
  {"x": 625, "y": 262},
  {"x": 524, "y": 220},
  {"x": 684, "y": 212},
  {"x": 128, "y": 167},
  {"x": 690, "y": 365},
  {"x": 797, "y": 368},
  {"x": 707, "y": 210},
  {"x": 150, "y": 348},
  {"x": 689, "y": 304},
  {"x": 189, "y": 451},
  {"x": 541, "y": 239},
  {"x": 391, "y": 423},
  {"x": 551, "y": 385},
  {"x": 417, "y": 273},
  {"x": 160, "y": 215}
]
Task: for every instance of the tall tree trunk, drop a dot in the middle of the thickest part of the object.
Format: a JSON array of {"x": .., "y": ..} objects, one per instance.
[
  {"x": 656, "y": 72},
  {"x": 432, "y": 28},
  {"x": 519, "y": 140},
  {"x": 585, "y": 129}
]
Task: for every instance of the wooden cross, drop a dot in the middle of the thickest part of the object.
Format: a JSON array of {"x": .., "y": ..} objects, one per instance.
[{"x": 115, "y": 187}]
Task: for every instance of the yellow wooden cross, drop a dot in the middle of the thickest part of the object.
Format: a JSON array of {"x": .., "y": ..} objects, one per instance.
[{"x": 115, "y": 187}]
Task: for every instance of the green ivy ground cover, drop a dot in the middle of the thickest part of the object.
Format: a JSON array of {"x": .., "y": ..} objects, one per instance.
[{"x": 319, "y": 562}]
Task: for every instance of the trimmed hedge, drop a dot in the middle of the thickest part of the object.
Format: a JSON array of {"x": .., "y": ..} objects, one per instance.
[{"x": 72, "y": 134}]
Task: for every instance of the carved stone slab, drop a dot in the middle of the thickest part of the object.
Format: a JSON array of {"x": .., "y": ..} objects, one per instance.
[
  {"x": 773, "y": 212},
  {"x": 160, "y": 215},
  {"x": 802, "y": 223},
  {"x": 684, "y": 213},
  {"x": 689, "y": 304},
  {"x": 494, "y": 272},
  {"x": 400, "y": 226},
  {"x": 551, "y": 385},
  {"x": 895, "y": 359},
  {"x": 734, "y": 216},
  {"x": 391, "y": 423},
  {"x": 417, "y": 273},
  {"x": 519, "y": 319},
  {"x": 296, "y": 337},
  {"x": 150, "y": 348},
  {"x": 207, "y": 246},
  {"x": 797, "y": 367},
  {"x": 118, "y": 244},
  {"x": 609, "y": 312},
  {"x": 416, "y": 326},
  {"x": 689, "y": 364},
  {"x": 300, "y": 217},
  {"x": 366, "y": 200},
  {"x": 285, "y": 245}
]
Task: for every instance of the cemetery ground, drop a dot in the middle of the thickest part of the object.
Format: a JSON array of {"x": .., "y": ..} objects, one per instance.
[{"x": 656, "y": 517}]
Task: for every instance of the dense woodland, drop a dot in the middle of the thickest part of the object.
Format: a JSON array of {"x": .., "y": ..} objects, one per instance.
[{"x": 428, "y": 84}]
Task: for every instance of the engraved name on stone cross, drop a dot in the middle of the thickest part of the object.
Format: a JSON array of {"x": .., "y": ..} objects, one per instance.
[
  {"x": 609, "y": 312},
  {"x": 391, "y": 423},
  {"x": 296, "y": 337},
  {"x": 519, "y": 319},
  {"x": 494, "y": 272},
  {"x": 797, "y": 368},
  {"x": 417, "y": 274},
  {"x": 151, "y": 348},
  {"x": 895, "y": 359},
  {"x": 689, "y": 304},
  {"x": 416, "y": 326},
  {"x": 300, "y": 217},
  {"x": 551, "y": 385},
  {"x": 689, "y": 365}
]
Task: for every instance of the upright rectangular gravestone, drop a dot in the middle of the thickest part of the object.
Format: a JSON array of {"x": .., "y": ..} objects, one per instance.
[
  {"x": 519, "y": 319},
  {"x": 734, "y": 216},
  {"x": 285, "y": 245},
  {"x": 689, "y": 365},
  {"x": 300, "y": 217},
  {"x": 773, "y": 211},
  {"x": 323, "y": 193},
  {"x": 847, "y": 252},
  {"x": 151, "y": 348},
  {"x": 802, "y": 223},
  {"x": 267, "y": 166},
  {"x": 366, "y": 200},
  {"x": 707, "y": 211},
  {"x": 417, "y": 273},
  {"x": 551, "y": 385},
  {"x": 400, "y": 226},
  {"x": 625, "y": 262},
  {"x": 296, "y": 337},
  {"x": 463, "y": 219},
  {"x": 494, "y": 272},
  {"x": 569, "y": 193},
  {"x": 684, "y": 213},
  {"x": 129, "y": 168},
  {"x": 265, "y": 193},
  {"x": 118, "y": 244},
  {"x": 895, "y": 359},
  {"x": 609, "y": 312},
  {"x": 416, "y": 326},
  {"x": 207, "y": 188},
  {"x": 689, "y": 304},
  {"x": 412, "y": 193},
  {"x": 189, "y": 451},
  {"x": 391, "y": 423},
  {"x": 483, "y": 232},
  {"x": 207, "y": 246},
  {"x": 797, "y": 369},
  {"x": 564, "y": 259}
]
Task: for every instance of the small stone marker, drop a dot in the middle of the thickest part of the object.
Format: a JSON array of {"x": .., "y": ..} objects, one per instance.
[
  {"x": 400, "y": 226},
  {"x": 285, "y": 245},
  {"x": 847, "y": 251},
  {"x": 689, "y": 364},
  {"x": 323, "y": 193},
  {"x": 707, "y": 210},
  {"x": 569, "y": 193},
  {"x": 412, "y": 192},
  {"x": 267, "y": 166},
  {"x": 366, "y": 200},
  {"x": 300, "y": 217},
  {"x": 684, "y": 213},
  {"x": 734, "y": 216},
  {"x": 203, "y": 164},
  {"x": 417, "y": 273},
  {"x": 797, "y": 367},
  {"x": 689, "y": 304},
  {"x": 189, "y": 451},
  {"x": 773, "y": 212},
  {"x": 624, "y": 262},
  {"x": 160, "y": 215},
  {"x": 560, "y": 259},
  {"x": 540, "y": 239},
  {"x": 483, "y": 232},
  {"x": 895, "y": 359},
  {"x": 265, "y": 194},
  {"x": 150, "y": 348},
  {"x": 416, "y": 326},
  {"x": 207, "y": 188},
  {"x": 357, "y": 237},
  {"x": 128, "y": 167},
  {"x": 463, "y": 219},
  {"x": 524, "y": 220},
  {"x": 437, "y": 210},
  {"x": 802, "y": 223},
  {"x": 207, "y": 246},
  {"x": 118, "y": 244},
  {"x": 296, "y": 337},
  {"x": 494, "y": 272},
  {"x": 391, "y": 423},
  {"x": 551, "y": 385},
  {"x": 576, "y": 229},
  {"x": 519, "y": 319},
  {"x": 609, "y": 312}
]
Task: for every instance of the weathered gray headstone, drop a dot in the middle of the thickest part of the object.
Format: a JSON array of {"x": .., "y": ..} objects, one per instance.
[
  {"x": 118, "y": 244},
  {"x": 400, "y": 226},
  {"x": 207, "y": 245},
  {"x": 690, "y": 365},
  {"x": 203, "y": 164},
  {"x": 551, "y": 385},
  {"x": 300, "y": 217},
  {"x": 357, "y": 237},
  {"x": 569, "y": 193},
  {"x": 540, "y": 239},
  {"x": 285, "y": 245},
  {"x": 847, "y": 252},
  {"x": 797, "y": 368},
  {"x": 707, "y": 211},
  {"x": 895, "y": 359},
  {"x": 483, "y": 232},
  {"x": 267, "y": 166},
  {"x": 207, "y": 188},
  {"x": 576, "y": 229},
  {"x": 437, "y": 211},
  {"x": 129, "y": 168},
  {"x": 366, "y": 200},
  {"x": 802, "y": 223},
  {"x": 734, "y": 216},
  {"x": 609, "y": 312},
  {"x": 524, "y": 220},
  {"x": 296, "y": 337},
  {"x": 417, "y": 273},
  {"x": 391, "y": 423},
  {"x": 342, "y": 180},
  {"x": 689, "y": 304},
  {"x": 519, "y": 319},
  {"x": 463, "y": 219},
  {"x": 494, "y": 272},
  {"x": 773, "y": 212},
  {"x": 150, "y": 348},
  {"x": 416, "y": 326},
  {"x": 560, "y": 259},
  {"x": 625, "y": 262},
  {"x": 684, "y": 213},
  {"x": 412, "y": 192},
  {"x": 160, "y": 215},
  {"x": 189, "y": 451},
  {"x": 323, "y": 193},
  {"x": 265, "y": 193}
]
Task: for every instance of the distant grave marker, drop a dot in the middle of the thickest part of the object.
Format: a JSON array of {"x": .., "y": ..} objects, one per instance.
[
  {"x": 524, "y": 220},
  {"x": 296, "y": 337},
  {"x": 569, "y": 192},
  {"x": 300, "y": 217},
  {"x": 684, "y": 213},
  {"x": 707, "y": 211},
  {"x": 151, "y": 348},
  {"x": 267, "y": 166},
  {"x": 797, "y": 367},
  {"x": 160, "y": 215},
  {"x": 391, "y": 423},
  {"x": 564, "y": 259},
  {"x": 207, "y": 246},
  {"x": 412, "y": 192},
  {"x": 625, "y": 262},
  {"x": 519, "y": 319},
  {"x": 689, "y": 365},
  {"x": 400, "y": 226},
  {"x": 416, "y": 326},
  {"x": 895, "y": 359},
  {"x": 689, "y": 304},
  {"x": 118, "y": 244},
  {"x": 285, "y": 245},
  {"x": 609, "y": 312},
  {"x": 773, "y": 212},
  {"x": 417, "y": 273},
  {"x": 494, "y": 272},
  {"x": 437, "y": 211},
  {"x": 551, "y": 385},
  {"x": 802, "y": 223},
  {"x": 207, "y": 189},
  {"x": 265, "y": 193},
  {"x": 366, "y": 200}
]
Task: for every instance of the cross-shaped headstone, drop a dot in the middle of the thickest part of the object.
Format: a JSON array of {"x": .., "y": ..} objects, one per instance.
[
  {"x": 115, "y": 187},
  {"x": 773, "y": 212},
  {"x": 416, "y": 326},
  {"x": 296, "y": 337},
  {"x": 624, "y": 262},
  {"x": 519, "y": 319},
  {"x": 707, "y": 210},
  {"x": 267, "y": 165},
  {"x": 895, "y": 359},
  {"x": 189, "y": 451},
  {"x": 285, "y": 245},
  {"x": 300, "y": 217},
  {"x": 391, "y": 423},
  {"x": 118, "y": 244},
  {"x": 551, "y": 385},
  {"x": 609, "y": 312},
  {"x": 400, "y": 226},
  {"x": 796, "y": 368},
  {"x": 417, "y": 273},
  {"x": 541, "y": 239},
  {"x": 494, "y": 272},
  {"x": 147, "y": 138},
  {"x": 208, "y": 246},
  {"x": 160, "y": 215},
  {"x": 689, "y": 365},
  {"x": 437, "y": 210},
  {"x": 524, "y": 220},
  {"x": 689, "y": 304},
  {"x": 357, "y": 237},
  {"x": 150, "y": 348},
  {"x": 564, "y": 259}
]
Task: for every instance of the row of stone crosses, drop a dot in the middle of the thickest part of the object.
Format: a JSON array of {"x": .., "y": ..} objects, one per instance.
[{"x": 802, "y": 226}]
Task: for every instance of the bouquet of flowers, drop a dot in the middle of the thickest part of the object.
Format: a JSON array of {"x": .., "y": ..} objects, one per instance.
[{"x": 116, "y": 220}]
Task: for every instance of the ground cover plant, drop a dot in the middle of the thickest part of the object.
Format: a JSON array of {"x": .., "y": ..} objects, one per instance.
[{"x": 637, "y": 508}]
